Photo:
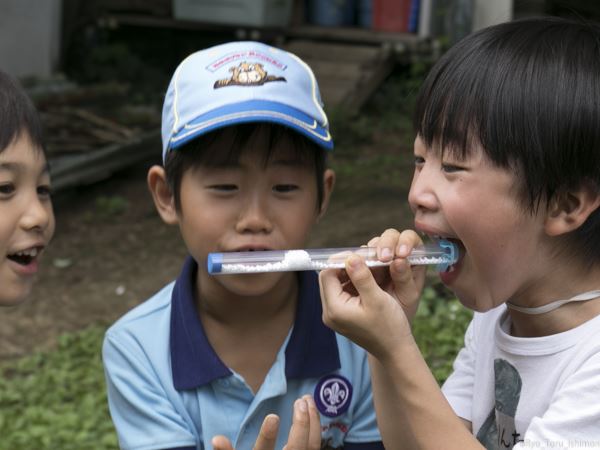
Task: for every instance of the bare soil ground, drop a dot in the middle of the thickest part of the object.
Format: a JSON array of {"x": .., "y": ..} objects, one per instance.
[{"x": 111, "y": 251}]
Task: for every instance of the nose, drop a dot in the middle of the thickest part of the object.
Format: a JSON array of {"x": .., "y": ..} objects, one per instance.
[
  {"x": 38, "y": 214},
  {"x": 422, "y": 196},
  {"x": 254, "y": 216}
]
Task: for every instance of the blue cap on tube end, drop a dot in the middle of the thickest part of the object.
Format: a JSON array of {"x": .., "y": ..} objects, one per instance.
[
  {"x": 452, "y": 250},
  {"x": 214, "y": 262}
]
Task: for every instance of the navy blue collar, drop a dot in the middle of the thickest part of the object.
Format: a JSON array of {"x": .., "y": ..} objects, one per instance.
[{"x": 311, "y": 350}]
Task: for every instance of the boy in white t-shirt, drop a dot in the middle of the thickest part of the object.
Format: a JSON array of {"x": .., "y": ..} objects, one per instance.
[{"x": 507, "y": 166}]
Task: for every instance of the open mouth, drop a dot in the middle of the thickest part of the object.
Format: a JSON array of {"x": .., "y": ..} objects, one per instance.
[
  {"x": 251, "y": 249},
  {"x": 25, "y": 257},
  {"x": 459, "y": 247}
]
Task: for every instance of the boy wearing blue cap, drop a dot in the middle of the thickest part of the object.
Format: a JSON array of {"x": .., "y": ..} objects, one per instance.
[{"x": 245, "y": 140}]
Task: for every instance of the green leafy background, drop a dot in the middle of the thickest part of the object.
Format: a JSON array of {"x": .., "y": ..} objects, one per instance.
[{"x": 57, "y": 400}]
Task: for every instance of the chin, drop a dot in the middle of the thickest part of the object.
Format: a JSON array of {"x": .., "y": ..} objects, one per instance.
[
  {"x": 251, "y": 285},
  {"x": 474, "y": 303},
  {"x": 13, "y": 298},
  {"x": 468, "y": 301}
]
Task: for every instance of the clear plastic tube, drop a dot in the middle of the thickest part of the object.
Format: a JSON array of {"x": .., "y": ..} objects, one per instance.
[{"x": 443, "y": 253}]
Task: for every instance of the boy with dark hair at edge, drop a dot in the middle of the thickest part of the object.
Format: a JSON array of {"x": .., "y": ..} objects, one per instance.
[{"x": 26, "y": 215}]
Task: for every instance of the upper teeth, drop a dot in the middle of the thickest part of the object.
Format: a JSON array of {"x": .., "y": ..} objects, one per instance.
[{"x": 29, "y": 252}]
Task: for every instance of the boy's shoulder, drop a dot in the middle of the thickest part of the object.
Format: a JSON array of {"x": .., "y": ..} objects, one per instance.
[{"x": 145, "y": 317}]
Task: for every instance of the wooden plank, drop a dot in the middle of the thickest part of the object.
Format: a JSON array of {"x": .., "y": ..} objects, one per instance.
[
  {"x": 368, "y": 85},
  {"x": 348, "y": 74},
  {"x": 68, "y": 171},
  {"x": 352, "y": 35},
  {"x": 361, "y": 54},
  {"x": 334, "y": 93},
  {"x": 334, "y": 69}
]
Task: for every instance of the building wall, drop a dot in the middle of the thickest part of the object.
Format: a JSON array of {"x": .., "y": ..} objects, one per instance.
[
  {"x": 490, "y": 13},
  {"x": 29, "y": 36}
]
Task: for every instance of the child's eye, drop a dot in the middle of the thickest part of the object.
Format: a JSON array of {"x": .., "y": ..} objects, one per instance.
[
  {"x": 284, "y": 188},
  {"x": 7, "y": 188},
  {"x": 223, "y": 187},
  {"x": 44, "y": 191},
  {"x": 450, "y": 168},
  {"x": 419, "y": 160}
]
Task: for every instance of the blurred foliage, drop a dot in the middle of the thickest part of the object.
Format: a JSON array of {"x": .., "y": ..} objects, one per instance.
[
  {"x": 57, "y": 400},
  {"x": 111, "y": 206},
  {"x": 106, "y": 208},
  {"x": 439, "y": 327}
]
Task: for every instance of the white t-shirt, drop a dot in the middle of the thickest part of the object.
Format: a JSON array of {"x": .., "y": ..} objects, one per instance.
[{"x": 527, "y": 393}]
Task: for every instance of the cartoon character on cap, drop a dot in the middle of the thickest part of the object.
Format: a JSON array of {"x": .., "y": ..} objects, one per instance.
[{"x": 245, "y": 74}]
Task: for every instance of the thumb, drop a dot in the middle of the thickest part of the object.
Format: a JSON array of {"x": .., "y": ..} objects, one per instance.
[
  {"x": 362, "y": 278},
  {"x": 221, "y": 443}
]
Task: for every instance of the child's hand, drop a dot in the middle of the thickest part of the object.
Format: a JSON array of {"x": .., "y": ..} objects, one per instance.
[
  {"x": 305, "y": 433},
  {"x": 373, "y": 308}
]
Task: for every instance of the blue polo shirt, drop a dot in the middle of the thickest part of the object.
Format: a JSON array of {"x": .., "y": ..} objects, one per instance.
[{"x": 168, "y": 389}]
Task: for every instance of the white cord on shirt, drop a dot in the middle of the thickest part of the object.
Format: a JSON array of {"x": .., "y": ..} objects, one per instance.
[{"x": 554, "y": 305}]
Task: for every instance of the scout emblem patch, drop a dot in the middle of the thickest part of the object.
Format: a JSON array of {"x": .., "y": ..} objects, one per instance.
[{"x": 333, "y": 394}]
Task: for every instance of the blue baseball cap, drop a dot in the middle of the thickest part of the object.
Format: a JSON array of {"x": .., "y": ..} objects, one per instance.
[{"x": 241, "y": 82}]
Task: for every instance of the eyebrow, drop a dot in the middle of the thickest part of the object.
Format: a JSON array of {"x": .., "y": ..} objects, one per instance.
[
  {"x": 284, "y": 162},
  {"x": 11, "y": 167},
  {"x": 287, "y": 161},
  {"x": 17, "y": 167}
]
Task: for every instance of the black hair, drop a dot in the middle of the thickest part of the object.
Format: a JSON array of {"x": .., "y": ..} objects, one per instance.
[
  {"x": 527, "y": 93},
  {"x": 17, "y": 114},
  {"x": 200, "y": 152}
]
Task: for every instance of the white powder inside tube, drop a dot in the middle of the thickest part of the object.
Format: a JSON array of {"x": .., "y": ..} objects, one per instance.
[{"x": 297, "y": 259}]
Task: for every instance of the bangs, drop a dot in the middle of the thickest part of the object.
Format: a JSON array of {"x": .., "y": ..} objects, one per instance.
[
  {"x": 465, "y": 101},
  {"x": 224, "y": 147},
  {"x": 526, "y": 96},
  {"x": 18, "y": 115}
]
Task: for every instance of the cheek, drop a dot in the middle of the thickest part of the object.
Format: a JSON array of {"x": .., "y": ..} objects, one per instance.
[
  {"x": 297, "y": 223},
  {"x": 51, "y": 224},
  {"x": 502, "y": 253},
  {"x": 200, "y": 224},
  {"x": 8, "y": 226}
]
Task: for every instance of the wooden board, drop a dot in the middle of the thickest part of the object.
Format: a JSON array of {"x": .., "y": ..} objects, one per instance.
[{"x": 348, "y": 73}]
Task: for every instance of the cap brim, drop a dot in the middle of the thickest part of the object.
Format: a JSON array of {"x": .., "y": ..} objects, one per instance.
[{"x": 253, "y": 111}]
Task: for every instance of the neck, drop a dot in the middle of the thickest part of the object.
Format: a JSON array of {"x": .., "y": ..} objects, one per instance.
[
  {"x": 248, "y": 331},
  {"x": 214, "y": 301}
]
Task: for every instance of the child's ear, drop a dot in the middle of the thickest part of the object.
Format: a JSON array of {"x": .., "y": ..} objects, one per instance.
[
  {"x": 162, "y": 195},
  {"x": 328, "y": 184},
  {"x": 571, "y": 209}
]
